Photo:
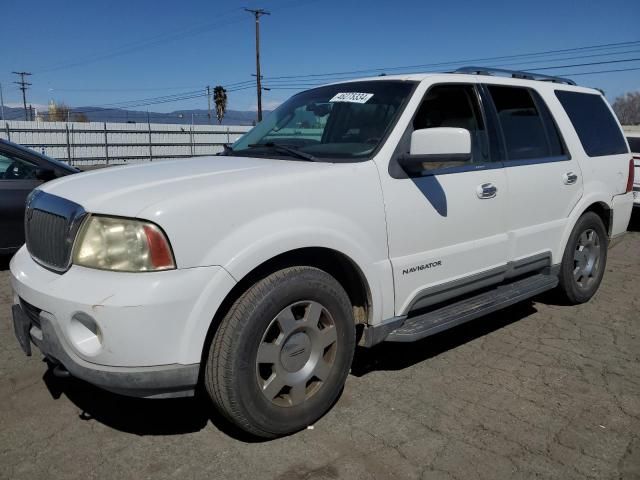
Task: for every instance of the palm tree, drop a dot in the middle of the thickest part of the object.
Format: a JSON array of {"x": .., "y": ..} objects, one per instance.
[{"x": 220, "y": 97}]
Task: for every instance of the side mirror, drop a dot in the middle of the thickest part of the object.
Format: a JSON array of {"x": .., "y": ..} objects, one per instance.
[
  {"x": 437, "y": 145},
  {"x": 45, "y": 174}
]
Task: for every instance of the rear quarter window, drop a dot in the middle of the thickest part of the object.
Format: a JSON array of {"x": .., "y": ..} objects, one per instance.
[
  {"x": 594, "y": 123},
  {"x": 634, "y": 144}
]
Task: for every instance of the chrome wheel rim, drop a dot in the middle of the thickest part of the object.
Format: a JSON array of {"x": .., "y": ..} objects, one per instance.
[
  {"x": 296, "y": 354},
  {"x": 586, "y": 259}
]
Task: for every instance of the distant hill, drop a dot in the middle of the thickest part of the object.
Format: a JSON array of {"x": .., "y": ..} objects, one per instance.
[{"x": 96, "y": 114}]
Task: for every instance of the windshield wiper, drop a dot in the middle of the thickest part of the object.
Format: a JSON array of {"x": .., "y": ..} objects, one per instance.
[
  {"x": 278, "y": 147},
  {"x": 227, "y": 149}
]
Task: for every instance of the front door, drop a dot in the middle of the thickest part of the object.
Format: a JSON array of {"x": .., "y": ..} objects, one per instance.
[{"x": 446, "y": 226}]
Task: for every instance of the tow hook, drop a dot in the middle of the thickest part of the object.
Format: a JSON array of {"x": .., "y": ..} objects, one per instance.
[{"x": 60, "y": 372}]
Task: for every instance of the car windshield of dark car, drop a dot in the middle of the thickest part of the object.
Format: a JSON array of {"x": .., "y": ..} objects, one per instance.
[
  {"x": 342, "y": 122},
  {"x": 9, "y": 146}
]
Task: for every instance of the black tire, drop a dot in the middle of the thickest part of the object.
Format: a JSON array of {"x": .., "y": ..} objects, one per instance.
[
  {"x": 574, "y": 263},
  {"x": 234, "y": 377}
]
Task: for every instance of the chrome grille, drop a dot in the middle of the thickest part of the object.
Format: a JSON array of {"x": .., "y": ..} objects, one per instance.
[
  {"x": 47, "y": 238},
  {"x": 51, "y": 224}
]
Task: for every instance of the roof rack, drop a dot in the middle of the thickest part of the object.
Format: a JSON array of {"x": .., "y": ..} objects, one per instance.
[{"x": 514, "y": 74}]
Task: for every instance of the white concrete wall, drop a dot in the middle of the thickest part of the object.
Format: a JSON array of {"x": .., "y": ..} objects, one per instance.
[{"x": 84, "y": 143}]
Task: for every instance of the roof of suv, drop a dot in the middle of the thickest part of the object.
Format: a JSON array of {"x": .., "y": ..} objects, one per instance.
[{"x": 516, "y": 79}]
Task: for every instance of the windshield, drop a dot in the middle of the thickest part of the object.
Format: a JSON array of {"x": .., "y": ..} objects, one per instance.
[
  {"x": 343, "y": 122},
  {"x": 30, "y": 151}
]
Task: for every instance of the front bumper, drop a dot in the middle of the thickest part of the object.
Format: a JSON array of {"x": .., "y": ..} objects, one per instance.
[
  {"x": 149, "y": 382},
  {"x": 138, "y": 334}
]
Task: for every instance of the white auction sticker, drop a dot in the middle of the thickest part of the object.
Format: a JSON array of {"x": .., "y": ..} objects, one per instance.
[{"x": 352, "y": 97}]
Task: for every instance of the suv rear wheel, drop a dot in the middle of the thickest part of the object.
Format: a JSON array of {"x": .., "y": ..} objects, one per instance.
[
  {"x": 584, "y": 260},
  {"x": 282, "y": 353}
]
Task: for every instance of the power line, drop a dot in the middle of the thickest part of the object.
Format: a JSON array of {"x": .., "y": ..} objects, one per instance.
[
  {"x": 349, "y": 75},
  {"x": 282, "y": 84},
  {"x": 118, "y": 89},
  {"x": 568, "y": 58},
  {"x": 152, "y": 101},
  {"x": 603, "y": 71},
  {"x": 173, "y": 35},
  {"x": 287, "y": 81},
  {"x": 467, "y": 61},
  {"x": 588, "y": 64},
  {"x": 291, "y": 84},
  {"x": 131, "y": 47},
  {"x": 606, "y": 62},
  {"x": 284, "y": 88}
]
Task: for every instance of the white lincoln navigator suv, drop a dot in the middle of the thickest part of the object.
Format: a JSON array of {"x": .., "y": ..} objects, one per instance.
[{"x": 382, "y": 209}]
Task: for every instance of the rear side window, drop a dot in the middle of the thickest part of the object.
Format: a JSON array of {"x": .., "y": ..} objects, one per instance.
[
  {"x": 527, "y": 125},
  {"x": 595, "y": 125}
]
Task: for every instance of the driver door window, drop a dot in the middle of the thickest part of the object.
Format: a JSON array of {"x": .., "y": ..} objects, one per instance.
[{"x": 455, "y": 106}]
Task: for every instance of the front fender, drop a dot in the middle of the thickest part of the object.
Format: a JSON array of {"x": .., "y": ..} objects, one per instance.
[{"x": 266, "y": 237}]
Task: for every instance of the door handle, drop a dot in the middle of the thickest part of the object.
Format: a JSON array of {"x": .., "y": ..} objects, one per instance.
[
  {"x": 486, "y": 190},
  {"x": 569, "y": 178}
]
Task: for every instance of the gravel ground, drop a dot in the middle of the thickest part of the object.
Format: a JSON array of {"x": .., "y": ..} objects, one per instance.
[{"x": 540, "y": 390}]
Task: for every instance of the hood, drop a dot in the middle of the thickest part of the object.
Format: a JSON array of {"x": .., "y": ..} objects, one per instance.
[{"x": 127, "y": 190}]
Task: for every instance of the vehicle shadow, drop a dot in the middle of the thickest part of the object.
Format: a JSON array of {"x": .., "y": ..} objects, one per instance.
[
  {"x": 634, "y": 223},
  {"x": 390, "y": 356},
  {"x": 4, "y": 262},
  {"x": 139, "y": 416},
  {"x": 188, "y": 415}
]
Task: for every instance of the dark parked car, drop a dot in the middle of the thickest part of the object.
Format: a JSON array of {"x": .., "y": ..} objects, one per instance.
[{"x": 21, "y": 170}]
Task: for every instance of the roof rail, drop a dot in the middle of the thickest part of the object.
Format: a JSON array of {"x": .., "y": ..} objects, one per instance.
[{"x": 514, "y": 74}]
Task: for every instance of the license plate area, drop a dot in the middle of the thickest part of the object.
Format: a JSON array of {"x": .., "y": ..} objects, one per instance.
[{"x": 21, "y": 327}]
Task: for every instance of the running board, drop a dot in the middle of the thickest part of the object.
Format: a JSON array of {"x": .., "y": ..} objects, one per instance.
[{"x": 421, "y": 326}]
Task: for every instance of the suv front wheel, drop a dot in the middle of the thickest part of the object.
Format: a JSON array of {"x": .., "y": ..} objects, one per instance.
[
  {"x": 584, "y": 260},
  {"x": 282, "y": 353}
]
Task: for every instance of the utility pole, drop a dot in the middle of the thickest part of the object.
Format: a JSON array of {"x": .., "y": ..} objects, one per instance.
[
  {"x": 258, "y": 13},
  {"x": 24, "y": 85},
  {"x": 209, "y": 102},
  {"x": 1, "y": 104}
]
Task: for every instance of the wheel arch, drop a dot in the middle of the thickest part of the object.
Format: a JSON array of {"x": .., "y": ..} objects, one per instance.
[
  {"x": 595, "y": 203},
  {"x": 603, "y": 211},
  {"x": 339, "y": 265}
]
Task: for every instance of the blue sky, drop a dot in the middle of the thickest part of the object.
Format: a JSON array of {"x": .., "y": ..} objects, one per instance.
[{"x": 173, "y": 47}]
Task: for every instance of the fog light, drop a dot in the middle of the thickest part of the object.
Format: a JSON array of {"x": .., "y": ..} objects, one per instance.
[{"x": 85, "y": 334}]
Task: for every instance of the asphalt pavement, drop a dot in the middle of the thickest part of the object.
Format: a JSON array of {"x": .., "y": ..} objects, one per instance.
[{"x": 540, "y": 390}]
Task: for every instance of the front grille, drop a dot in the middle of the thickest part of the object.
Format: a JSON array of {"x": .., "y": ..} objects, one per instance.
[
  {"x": 47, "y": 238},
  {"x": 51, "y": 225}
]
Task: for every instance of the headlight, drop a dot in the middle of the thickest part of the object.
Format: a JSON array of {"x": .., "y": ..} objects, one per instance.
[{"x": 121, "y": 244}]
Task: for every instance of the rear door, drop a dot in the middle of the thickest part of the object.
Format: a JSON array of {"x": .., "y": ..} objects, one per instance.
[
  {"x": 17, "y": 180},
  {"x": 545, "y": 182}
]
